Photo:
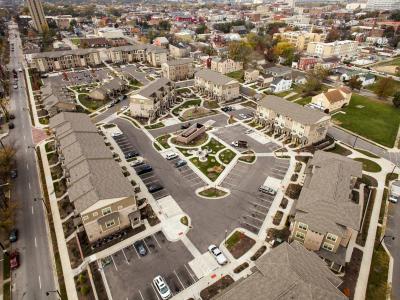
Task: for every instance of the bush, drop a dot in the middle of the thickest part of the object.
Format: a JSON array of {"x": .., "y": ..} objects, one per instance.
[
  {"x": 85, "y": 290},
  {"x": 277, "y": 218},
  {"x": 241, "y": 267},
  {"x": 258, "y": 253}
]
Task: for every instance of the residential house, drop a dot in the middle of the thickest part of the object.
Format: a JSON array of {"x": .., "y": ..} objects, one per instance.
[
  {"x": 217, "y": 86},
  {"x": 111, "y": 88},
  {"x": 153, "y": 100},
  {"x": 288, "y": 271},
  {"x": 264, "y": 81},
  {"x": 300, "y": 39},
  {"x": 280, "y": 84},
  {"x": 179, "y": 69},
  {"x": 333, "y": 99},
  {"x": 341, "y": 49},
  {"x": 302, "y": 125},
  {"x": 62, "y": 60},
  {"x": 307, "y": 63},
  {"x": 161, "y": 41},
  {"x": 179, "y": 50},
  {"x": 326, "y": 216},
  {"x": 366, "y": 79},
  {"x": 251, "y": 75},
  {"x": 225, "y": 65},
  {"x": 278, "y": 71},
  {"x": 101, "y": 195},
  {"x": 241, "y": 29},
  {"x": 56, "y": 99}
]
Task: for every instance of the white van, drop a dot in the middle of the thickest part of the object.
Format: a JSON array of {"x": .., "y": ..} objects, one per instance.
[{"x": 170, "y": 155}]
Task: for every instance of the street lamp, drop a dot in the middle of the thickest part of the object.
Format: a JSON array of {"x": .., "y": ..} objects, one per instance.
[
  {"x": 45, "y": 204},
  {"x": 56, "y": 291},
  {"x": 385, "y": 236}
]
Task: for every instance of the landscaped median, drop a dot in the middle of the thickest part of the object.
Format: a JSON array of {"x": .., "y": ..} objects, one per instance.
[
  {"x": 239, "y": 243},
  {"x": 213, "y": 193},
  {"x": 210, "y": 167},
  {"x": 163, "y": 140},
  {"x": 369, "y": 165},
  {"x": 226, "y": 156}
]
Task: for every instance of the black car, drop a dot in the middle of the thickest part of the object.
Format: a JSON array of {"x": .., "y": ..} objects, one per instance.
[
  {"x": 154, "y": 187},
  {"x": 14, "y": 173},
  {"x": 185, "y": 126},
  {"x": 141, "y": 249},
  {"x": 131, "y": 154},
  {"x": 143, "y": 169},
  {"x": 11, "y": 116},
  {"x": 13, "y": 237},
  {"x": 11, "y": 125},
  {"x": 180, "y": 163}
]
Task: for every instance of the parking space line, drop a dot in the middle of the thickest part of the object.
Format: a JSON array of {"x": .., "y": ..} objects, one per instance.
[
  {"x": 147, "y": 246},
  {"x": 140, "y": 293},
  {"x": 156, "y": 241},
  {"x": 112, "y": 258},
  {"x": 123, "y": 252},
  {"x": 137, "y": 253},
  {"x": 191, "y": 275},
  {"x": 179, "y": 279},
  {"x": 155, "y": 292}
]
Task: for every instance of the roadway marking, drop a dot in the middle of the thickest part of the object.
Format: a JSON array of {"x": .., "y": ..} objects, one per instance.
[
  {"x": 190, "y": 273},
  {"x": 123, "y": 252},
  {"x": 137, "y": 253},
  {"x": 35, "y": 242},
  {"x": 27, "y": 166},
  {"x": 29, "y": 185},
  {"x": 24, "y": 137},
  {"x": 112, "y": 258},
  {"x": 32, "y": 210},
  {"x": 156, "y": 240},
  {"x": 179, "y": 279},
  {"x": 40, "y": 283},
  {"x": 155, "y": 292},
  {"x": 140, "y": 293},
  {"x": 147, "y": 246}
]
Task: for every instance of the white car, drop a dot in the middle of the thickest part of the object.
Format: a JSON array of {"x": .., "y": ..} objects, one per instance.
[
  {"x": 219, "y": 256},
  {"x": 170, "y": 155},
  {"x": 393, "y": 198},
  {"x": 114, "y": 134},
  {"x": 20, "y": 70},
  {"x": 124, "y": 107},
  {"x": 161, "y": 287}
]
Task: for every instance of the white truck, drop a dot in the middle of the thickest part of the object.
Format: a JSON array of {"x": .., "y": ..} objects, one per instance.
[
  {"x": 270, "y": 186},
  {"x": 394, "y": 196}
]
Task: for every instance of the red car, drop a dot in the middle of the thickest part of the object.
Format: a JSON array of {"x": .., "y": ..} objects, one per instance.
[{"x": 14, "y": 260}]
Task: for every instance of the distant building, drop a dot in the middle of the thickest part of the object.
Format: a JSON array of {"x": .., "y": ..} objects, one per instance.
[
  {"x": 109, "y": 32},
  {"x": 301, "y": 39},
  {"x": 191, "y": 133},
  {"x": 156, "y": 56},
  {"x": 333, "y": 99},
  {"x": 225, "y": 65},
  {"x": 37, "y": 14},
  {"x": 340, "y": 49},
  {"x": 111, "y": 88},
  {"x": 179, "y": 69},
  {"x": 280, "y": 84},
  {"x": 179, "y": 50},
  {"x": 251, "y": 75},
  {"x": 383, "y": 4},
  {"x": 161, "y": 41}
]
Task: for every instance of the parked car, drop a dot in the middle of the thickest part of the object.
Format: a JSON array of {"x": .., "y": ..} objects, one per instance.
[
  {"x": 14, "y": 260},
  {"x": 11, "y": 116},
  {"x": 124, "y": 107},
  {"x": 218, "y": 255},
  {"x": 115, "y": 134},
  {"x": 161, "y": 287},
  {"x": 141, "y": 249},
  {"x": 13, "y": 173},
  {"x": 110, "y": 105},
  {"x": 143, "y": 169},
  {"x": 185, "y": 126},
  {"x": 239, "y": 144},
  {"x": 180, "y": 163},
  {"x": 20, "y": 70},
  {"x": 248, "y": 131},
  {"x": 13, "y": 236},
  {"x": 170, "y": 155},
  {"x": 137, "y": 163},
  {"x": 131, "y": 154},
  {"x": 15, "y": 86},
  {"x": 11, "y": 125},
  {"x": 393, "y": 198},
  {"x": 154, "y": 187}
]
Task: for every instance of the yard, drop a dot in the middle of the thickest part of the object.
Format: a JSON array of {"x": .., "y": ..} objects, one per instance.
[
  {"x": 239, "y": 243},
  {"x": 214, "y": 146},
  {"x": 226, "y": 156},
  {"x": 238, "y": 75},
  {"x": 89, "y": 103},
  {"x": 212, "y": 193},
  {"x": 184, "y": 105},
  {"x": 372, "y": 119},
  {"x": 163, "y": 140},
  {"x": 369, "y": 165},
  {"x": 304, "y": 101},
  {"x": 211, "y": 168}
]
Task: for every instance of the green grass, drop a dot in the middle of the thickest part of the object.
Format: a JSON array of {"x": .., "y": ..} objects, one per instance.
[
  {"x": 283, "y": 94},
  {"x": 211, "y": 168},
  {"x": 211, "y": 104},
  {"x": 367, "y": 153},
  {"x": 212, "y": 193},
  {"x": 304, "y": 101},
  {"x": 369, "y": 165},
  {"x": 376, "y": 121},
  {"x": 214, "y": 146},
  {"x": 233, "y": 239},
  {"x": 226, "y": 156},
  {"x": 163, "y": 140},
  {"x": 248, "y": 158},
  {"x": 250, "y": 104},
  {"x": 390, "y": 177},
  {"x": 158, "y": 148},
  {"x": 394, "y": 62},
  {"x": 6, "y": 267},
  {"x": 383, "y": 205},
  {"x": 184, "y": 105},
  {"x": 338, "y": 149},
  {"x": 183, "y": 90},
  {"x": 89, "y": 103},
  {"x": 184, "y": 151},
  {"x": 7, "y": 291},
  {"x": 394, "y": 88},
  {"x": 154, "y": 126},
  {"x": 238, "y": 75}
]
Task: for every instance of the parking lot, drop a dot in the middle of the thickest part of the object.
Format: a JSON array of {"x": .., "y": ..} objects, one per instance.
[
  {"x": 257, "y": 141},
  {"x": 188, "y": 174},
  {"x": 129, "y": 274},
  {"x": 81, "y": 77}
]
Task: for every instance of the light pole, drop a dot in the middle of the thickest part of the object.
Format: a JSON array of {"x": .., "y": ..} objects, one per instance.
[
  {"x": 56, "y": 291},
  {"x": 385, "y": 236},
  {"x": 45, "y": 204}
]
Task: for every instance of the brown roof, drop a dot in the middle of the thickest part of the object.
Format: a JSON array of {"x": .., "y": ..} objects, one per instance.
[
  {"x": 345, "y": 89},
  {"x": 334, "y": 96}
]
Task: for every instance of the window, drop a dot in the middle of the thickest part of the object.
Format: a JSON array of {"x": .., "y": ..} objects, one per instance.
[
  {"x": 95, "y": 214},
  {"x": 106, "y": 211},
  {"x": 109, "y": 224},
  {"x": 331, "y": 237},
  {"x": 327, "y": 246},
  {"x": 300, "y": 235},
  {"x": 303, "y": 226},
  {"x": 85, "y": 218}
]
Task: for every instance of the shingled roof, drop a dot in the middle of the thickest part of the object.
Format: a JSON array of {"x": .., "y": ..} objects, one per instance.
[
  {"x": 214, "y": 77},
  {"x": 287, "y": 272}
]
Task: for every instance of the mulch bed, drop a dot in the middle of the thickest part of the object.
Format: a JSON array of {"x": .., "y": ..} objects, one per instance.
[
  {"x": 352, "y": 270},
  {"x": 243, "y": 245},
  {"x": 216, "y": 288}
]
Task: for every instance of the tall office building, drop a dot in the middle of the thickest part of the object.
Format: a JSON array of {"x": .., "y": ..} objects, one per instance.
[
  {"x": 383, "y": 4},
  {"x": 37, "y": 14}
]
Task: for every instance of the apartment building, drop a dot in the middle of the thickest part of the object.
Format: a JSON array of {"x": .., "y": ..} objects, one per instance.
[
  {"x": 287, "y": 272},
  {"x": 36, "y": 11},
  {"x": 62, "y": 60},
  {"x": 179, "y": 50},
  {"x": 153, "y": 99},
  {"x": 127, "y": 54},
  {"x": 340, "y": 49},
  {"x": 225, "y": 65},
  {"x": 300, "y": 39},
  {"x": 216, "y": 86},
  {"x": 383, "y": 5},
  {"x": 333, "y": 99},
  {"x": 101, "y": 195},
  {"x": 179, "y": 69},
  {"x": 326, "y": 216},
  {"x": 304, "y": 126},
  {"x": 156, "y": 56}
]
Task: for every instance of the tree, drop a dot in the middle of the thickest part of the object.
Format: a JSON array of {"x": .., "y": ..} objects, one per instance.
[
  {"x": 4, "y": 104},
  {"x": 314, "y": 81},
  {"x": 384, "y": 87},
  {"x": 396, "y": 99},
  {"x": 333, "y": 35},
  {"x": 259, "y": 42},
  {"x": 240, "y": 51},
  {"x": 209, "y": 51},
  {"x": 354, "y": 83},
  {"x": 388, "y": 32},
  {"x": 7, "y": 160},
  {"x": 201, "y": 29}
]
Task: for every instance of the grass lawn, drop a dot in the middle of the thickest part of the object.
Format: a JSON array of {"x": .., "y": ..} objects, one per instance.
[
  {"x": 7, "y": 291},
  {"x": 250, "y": 104},
  {"x": 285, "y": 93},
  {"x": 184, "y": 105},
  {"x": 185, "y": 151},
  {"x": 214, "y": 146},
  {"x": 89, "y": 103},
  {"x": 212, "y": 193},
  {"x": 390, "y": 177},
  {"x": 226, "y": 156},
  {"x": 211, "y": 168},
  {"x": 6, "y": 267},
  {"x": 367, "y": 153},
  {"x": 374, "y": 120},
  {"x": 154, "y": 126},
  {"x": 304, "y": 101},
  {"x": 183, "y": 90},
  {"x": 396, "y": 86},
  {"x": 162, "y": 140},
  {"x": 238, "y": 75},
  {"x": 248, "y": 158},
  {"x": 211, "y": 104},
  {"x": 158, "y": 148},
  {"x": 369, "y": 165},
  {"x": 339, "y": 150},
  {"x": 394, "y": 62}
]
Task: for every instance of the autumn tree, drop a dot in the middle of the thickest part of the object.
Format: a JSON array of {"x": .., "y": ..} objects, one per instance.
[
  {"x": 384, "y": 87},
  {"x": 396, "y": 99},
  {"x": 354, "y": 83},
  {"x": 240, "y": 51}
]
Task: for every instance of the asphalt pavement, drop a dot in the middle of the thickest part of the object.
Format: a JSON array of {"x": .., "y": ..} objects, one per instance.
[{"x": 35, "y": 276}]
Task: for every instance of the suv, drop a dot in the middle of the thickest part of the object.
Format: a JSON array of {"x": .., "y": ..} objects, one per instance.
[
  {"x": 14, "y": 260},
  {"x": 162, "y": 287},
  {"x": 143, "y": 169},
  {"x": 13, "y": 237},
  {"x": 154, "y": 187}
]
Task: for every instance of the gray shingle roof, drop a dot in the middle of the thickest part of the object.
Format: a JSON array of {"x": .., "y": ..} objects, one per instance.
[
  {"x": 292, "y": 110},
  {"x": 63, "y": 53},
  {"x": 178, "y": 62},
  {"x": 214, "y": 77},
  {"x": 287, "y": 272},
  {"x": 153, "y": 87},
  {"x": 324, "y": 203}
]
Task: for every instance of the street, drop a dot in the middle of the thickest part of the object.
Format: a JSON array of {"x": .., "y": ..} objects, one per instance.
[{"x": 35, "y": 275}]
